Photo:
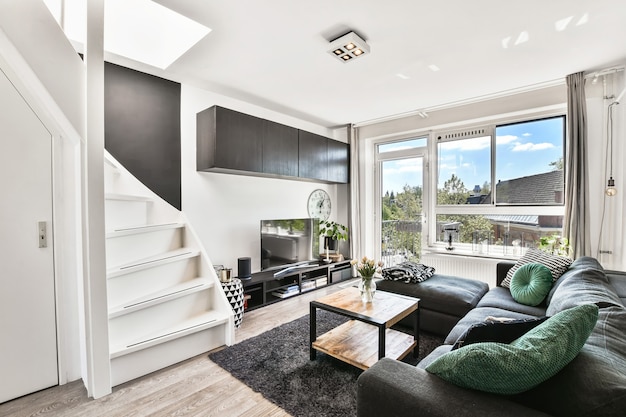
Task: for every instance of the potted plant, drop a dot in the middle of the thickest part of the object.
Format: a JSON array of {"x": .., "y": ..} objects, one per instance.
[
  {"x": 555, "y": 245},
  {"x": 333, "y": 232}
]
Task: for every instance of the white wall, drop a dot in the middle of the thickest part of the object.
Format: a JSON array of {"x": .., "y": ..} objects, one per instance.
[
  {"x": 225, "y": 209},
  {"x": 607, "y": 213}
]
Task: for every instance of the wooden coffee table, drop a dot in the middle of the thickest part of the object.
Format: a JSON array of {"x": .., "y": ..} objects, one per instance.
[{"x": 354, "y": 342}]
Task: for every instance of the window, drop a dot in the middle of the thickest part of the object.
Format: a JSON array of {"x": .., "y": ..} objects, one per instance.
[
  {"x": 463, "y": 163},
  {"x": 401, "y": 199},
  {"x": 500, "y": 188},
  {"x": 402, "y": 145},
  {"x": 529, "y": 162}
]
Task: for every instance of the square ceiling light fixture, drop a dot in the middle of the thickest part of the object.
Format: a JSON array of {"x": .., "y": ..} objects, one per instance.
[{"x": 348, "y": 47}]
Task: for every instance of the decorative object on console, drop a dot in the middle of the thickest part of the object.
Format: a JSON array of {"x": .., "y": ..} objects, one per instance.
[
  {"x": 333, "y": 232},
  {"x": 409, "y": 272},
  {"x": 225, "y": 274},
  {"x": 244, "y": 268},
  {"x": 319, "y": 204},
  {"x": 234, "y": 292},
  {"x": 367, "y": 268}
]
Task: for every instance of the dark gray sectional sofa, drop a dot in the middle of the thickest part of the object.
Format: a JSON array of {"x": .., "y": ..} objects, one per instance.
[{"x": 593, "y": 384}]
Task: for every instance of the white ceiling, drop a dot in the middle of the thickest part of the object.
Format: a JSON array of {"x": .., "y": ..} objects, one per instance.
[{"x": 273, "y": 53}]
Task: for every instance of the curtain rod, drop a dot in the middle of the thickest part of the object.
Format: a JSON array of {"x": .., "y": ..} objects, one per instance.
[{"x": 603, "y": 72}]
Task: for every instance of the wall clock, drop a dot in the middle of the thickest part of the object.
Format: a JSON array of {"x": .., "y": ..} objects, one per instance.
[{"x": 319, "y": 204}]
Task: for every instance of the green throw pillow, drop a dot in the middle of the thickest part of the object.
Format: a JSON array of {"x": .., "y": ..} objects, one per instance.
[
  {"x": 531, "y": 283},
  {"x": 524, "y": 363}
]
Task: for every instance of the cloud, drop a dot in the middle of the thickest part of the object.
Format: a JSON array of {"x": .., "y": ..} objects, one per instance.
[
  {"x": 531, "y": 147},
  {"x": 527, "y": 134},
  {"x": 505, "y": 139}
]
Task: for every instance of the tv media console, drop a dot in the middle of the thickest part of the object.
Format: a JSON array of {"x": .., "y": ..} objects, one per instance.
[{"x": 265, "y": 288}]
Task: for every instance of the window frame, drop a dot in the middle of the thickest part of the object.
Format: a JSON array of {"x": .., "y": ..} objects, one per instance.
[
  {"x": 407, "y": 153},
  {"x": 492, "y": 208}
]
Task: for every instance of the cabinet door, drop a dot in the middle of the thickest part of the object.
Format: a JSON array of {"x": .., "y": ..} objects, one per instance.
[
  {"x": 313, "y": 156},
  {"x": 237, "y": 143},
  {"x": 338, "y": 161},
  {"x": 280, "y": 149}
]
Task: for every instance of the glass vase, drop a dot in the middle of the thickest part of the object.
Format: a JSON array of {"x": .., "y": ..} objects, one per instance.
[{"x": 367, "y": 288}]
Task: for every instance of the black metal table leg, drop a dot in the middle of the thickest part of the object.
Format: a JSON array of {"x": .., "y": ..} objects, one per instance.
[
  {"x": 416, "y": 334},
  {"x": 381, "y": 341},
  {"x": 313, "y": 331}
]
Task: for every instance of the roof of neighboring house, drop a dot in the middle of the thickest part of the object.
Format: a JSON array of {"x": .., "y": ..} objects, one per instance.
[
  {"x": 540, "y": 189},
  {"x": 504, "y": 218}
]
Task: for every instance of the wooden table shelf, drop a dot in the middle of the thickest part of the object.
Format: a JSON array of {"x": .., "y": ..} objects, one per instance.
[{"x": 354, "y": 342}]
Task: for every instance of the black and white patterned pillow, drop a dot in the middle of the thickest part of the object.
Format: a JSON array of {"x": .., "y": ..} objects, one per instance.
[
  {"x": 409, "y": 272},
  {"x": 556, "y": 264}
]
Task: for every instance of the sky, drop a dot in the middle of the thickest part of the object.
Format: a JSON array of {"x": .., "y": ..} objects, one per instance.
[{"x": 522, "y": 149}]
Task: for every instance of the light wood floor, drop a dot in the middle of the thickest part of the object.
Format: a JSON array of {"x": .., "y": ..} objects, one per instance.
[{"x": 196, "y": 387}]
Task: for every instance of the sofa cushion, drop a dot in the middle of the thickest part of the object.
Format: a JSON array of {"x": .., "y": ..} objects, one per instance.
[
  {"x": 408, "y": 272},
  {"x": 439, "y": 350},
  {"x": 618, "y": 281},
  {"x": 584, "y": 283},
  {"x": 557, "y": 264},
  {"x": 480, "y": 314},
  {"x": 500, "y": 297},
  {"x": 594, "y": 383},
  {"x": 448, "y": 294},
  {"x": 497, "y": 331},
  {"x": 526, "y": 362},
  {"x": 531, "y": 283}
]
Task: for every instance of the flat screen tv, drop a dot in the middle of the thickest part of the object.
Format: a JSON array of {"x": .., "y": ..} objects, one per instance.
[{"x": 289, "y": 243}]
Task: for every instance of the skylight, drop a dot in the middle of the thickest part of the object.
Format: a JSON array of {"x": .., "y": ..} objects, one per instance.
[{"x": 141, "y": 30}]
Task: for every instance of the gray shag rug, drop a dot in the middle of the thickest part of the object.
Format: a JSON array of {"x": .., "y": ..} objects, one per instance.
[{"x": 277, "y": 365}]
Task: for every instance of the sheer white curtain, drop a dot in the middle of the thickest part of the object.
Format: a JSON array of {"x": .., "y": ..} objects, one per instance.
[{"x": 576, "y": 224}]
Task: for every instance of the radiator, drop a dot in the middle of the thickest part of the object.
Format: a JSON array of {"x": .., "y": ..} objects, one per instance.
[{"x": 480, "y": 269}]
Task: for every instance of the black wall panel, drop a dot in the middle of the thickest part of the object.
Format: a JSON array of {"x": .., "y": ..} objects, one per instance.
[{"x": 142, "y": 128}]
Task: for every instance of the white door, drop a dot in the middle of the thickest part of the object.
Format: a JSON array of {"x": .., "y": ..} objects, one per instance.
[
  {"x": 401, "y": 195},
  {"x": 28, "y": 346}
]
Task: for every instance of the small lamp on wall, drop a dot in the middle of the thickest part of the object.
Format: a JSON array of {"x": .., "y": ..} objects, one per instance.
[{"x": 610, "y": 186}]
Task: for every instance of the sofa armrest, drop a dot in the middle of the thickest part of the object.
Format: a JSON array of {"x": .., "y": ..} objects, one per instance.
[
  {"x": 395, "y": 389},
  {"x": 501, "y": 269}
]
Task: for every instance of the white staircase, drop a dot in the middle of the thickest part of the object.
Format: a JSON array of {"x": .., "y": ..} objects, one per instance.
[{"x": 165, "y": 301}]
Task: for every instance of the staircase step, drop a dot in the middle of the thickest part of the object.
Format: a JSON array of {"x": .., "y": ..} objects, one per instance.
[
  {"x": 127, "y": 244},
  {"x": 127, "y": 197},
  {"x": 142, "y": 228},
  {"x": 194, "y": 324},
  {"x": 162, "y": 296},
  {"x": 125, "y": 210},
  {"x": 153, "y": 261}
]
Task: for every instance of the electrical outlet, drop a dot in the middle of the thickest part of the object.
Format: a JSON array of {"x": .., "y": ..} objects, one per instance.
[{"x": 606, "y": 252}]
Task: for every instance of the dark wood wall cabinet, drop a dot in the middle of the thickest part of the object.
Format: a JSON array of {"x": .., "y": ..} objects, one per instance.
[{"x": 233, "y": 142}]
